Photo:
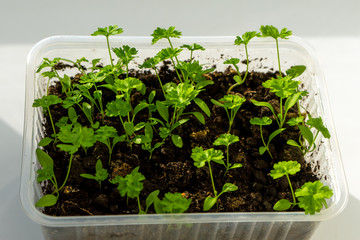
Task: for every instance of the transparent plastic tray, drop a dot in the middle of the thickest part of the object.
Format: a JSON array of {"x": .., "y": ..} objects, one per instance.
[{"x": 239, "y": 225}]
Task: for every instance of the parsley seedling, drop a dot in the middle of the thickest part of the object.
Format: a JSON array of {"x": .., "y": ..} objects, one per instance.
[
  {"x": 130, "y": 185},
  {"x": 232, "y": 102},
  {"x": 100, "y": 175},
  {"x": 281, "y": 169},
  {"x": 45, "y": 102},
  {"x": 284, "y": 88},
  {"x": 226, "y": 140},
  {"x": 151, "y": 63},
  {"x": 244, "y": 39},
  {"x": 146, "y": 140},
  {"x": 263, "y": 122},
  {"x": 201, "y": 157},
  {"x": 104, "y": 135},
  {"x": 271, "y": 31},
  {"x": 308, "y": 136},
  {"x": 311, "y": 196},
  {"x": 107, "y": 32},
  {"x": 125, "y": 55},
  {"x": 46, "y": 173}
]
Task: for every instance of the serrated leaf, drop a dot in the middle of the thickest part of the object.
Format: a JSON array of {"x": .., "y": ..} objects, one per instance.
[
  {"x": 285, "y": 168},
  {"x": 226, "y": 139},
  {"x": 261, "y": 121},
  {"x": 46, "y": 201},
  {"x": 318, "y": 124}
]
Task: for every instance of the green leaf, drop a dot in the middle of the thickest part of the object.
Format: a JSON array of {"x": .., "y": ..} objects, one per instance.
[
  {"x": 307, "y": 134},
  {"x": 47, "y": 101},
  {"x": 46, "y": 201},
  {"x": 152, "y": 95},
  {"x": 229, "y": 187},
  {"x": 45, "y": 141},
  {"x": 199, "y": 117},
  {"x": 125, "y": 53},
  {"x": 201, "y": 156},
  {"x": 72, "y": 115},
  {"x": 108, "y": 31},
  {"x": 236, "y": 165},
  {"x": 291, "y": 101},
  {"x": 177, "y": 140},
  {"x": 129, "y": 128},
  {"x": 44, "y": 159},
  {"x": 172, "y": 203},
  {"x": 193, "y": 47},
  {"x": 209, "y": 203},
  {"x": 293, "y": 143},
  {"x": 226, "y": 139},
  {"x": 261, "y": 121},
  {"x": 151, "y": 198},
  {"x": 283, "y": 87},
  {"x": 263, "y": 104},
  {"x": 238, "y": 79},
  {"x": 88, "y": 176},
  {"x": 285, "y": 168},
  {"x": 275, "y": 133},
  {"x": 117, "y": 107},
  {"x": 296, "y": 71},
  {"x": 87, "y": 110},
  {"x": 160, "y": 33},
  {"x": 231, "y": 101},
  {"x": 68, "y": 148},
  {"x": 232, "y": 61},
  {"x": 140, "y": 107},
  {"x": 318, "y": 124},
  {"x": 202, "y": 105},
  {"x": 262, "y": 150},
  {"x": 282, "y": 205},
  {"x": 246, "y": 37},
  {"x": 271, "y": 31},
  {"x": 217, "y": 103},
  {"x": 178, "y": 123},
  {"x": 168, "y": 53},
  {"x": 312, "y": 196},
  {"x": 163, "y": 111},
  {"x": 295, "y": 121}
]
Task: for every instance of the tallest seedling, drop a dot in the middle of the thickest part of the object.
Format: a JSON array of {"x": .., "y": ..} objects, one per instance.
[
  {"x": 107, "y": 32},
  {"x": 271, "y": 31}
]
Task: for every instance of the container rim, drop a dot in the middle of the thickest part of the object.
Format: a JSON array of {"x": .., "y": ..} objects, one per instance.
[{"x": 336, "y": 207}]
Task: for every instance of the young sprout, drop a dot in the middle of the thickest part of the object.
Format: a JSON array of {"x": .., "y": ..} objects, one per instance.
[
  {"x": 151, "y": 63},
  {"x": 146, "y": 140},
  {"x": 100, "y": 175},
  {"x": 244, "y": 39},
  {"x": 107, "y": 32},
  {"x": 172, "y": 203},
  {"x": 130, "y": 185},
  {"x": 310, "y": 197},
  {"x": 285, "y": 168},
  {"x": 284, "y": 88},
  {"x": 201, "y": 157},
  {"x": 162, "y": 33},
  {"x": 46, "y": 172},
  {"x": 104, "y": 135},
  {"x": 45, "y": 102},
  {"x": 232, "y": 102},
  {"x": 308, "y": 136},
  {"x": 271, "y": 31},
  {"x": 264, "y": 121},
  {"x": 225, "y": 140}
]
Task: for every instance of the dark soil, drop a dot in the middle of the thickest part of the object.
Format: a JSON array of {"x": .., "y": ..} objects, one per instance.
[{"x": 171, "y": 169}]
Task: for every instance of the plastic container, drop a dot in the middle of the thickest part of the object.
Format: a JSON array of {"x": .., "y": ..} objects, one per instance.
[{"x": 240, "y": 225}]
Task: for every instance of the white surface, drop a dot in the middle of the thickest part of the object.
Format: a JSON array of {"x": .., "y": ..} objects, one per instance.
[{"x": 330, "y": 26}]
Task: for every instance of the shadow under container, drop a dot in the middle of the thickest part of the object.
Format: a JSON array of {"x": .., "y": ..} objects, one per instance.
[{"x": 233, "y": 225}]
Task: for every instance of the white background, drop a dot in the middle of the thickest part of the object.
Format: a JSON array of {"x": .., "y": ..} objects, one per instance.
[{"x": 331, "y": 27}]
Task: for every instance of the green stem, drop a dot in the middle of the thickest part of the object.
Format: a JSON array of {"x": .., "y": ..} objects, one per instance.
[
  {"x": 51, "y": 120},
  {"x": 282, "y": 119},
  {"x": 191, "y": 54},
  {"x": 162, "y": 88},
  {"x": 278, "y": 55},
  {"x": 291, "y": 188},
  {"x": 266, "y": 146},
  {"x": 247, "y": 63},
  {"x": 227, "y": 159},
  {"x": 138, "y": 200},
  {"x": 68, "y": 173},
  {"x": 212, "y": 179},
  {"x": 108, "y": 45},
  {"x": 122, "y": 122},
  {"x": 177, "y": 60}
]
